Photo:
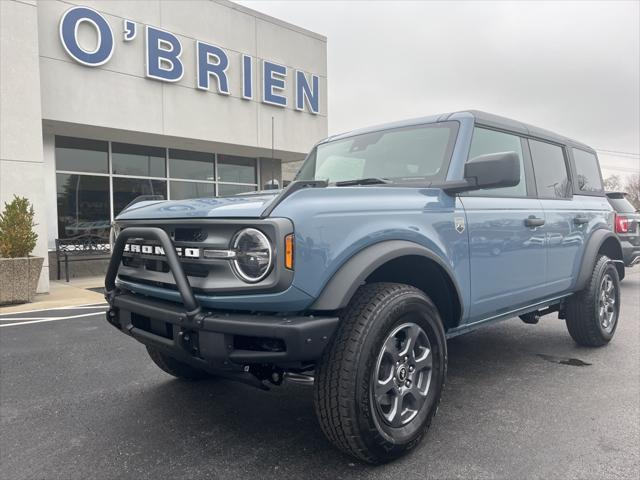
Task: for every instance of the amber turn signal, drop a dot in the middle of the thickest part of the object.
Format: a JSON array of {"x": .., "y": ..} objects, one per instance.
[{"x": 288, "y": 251}]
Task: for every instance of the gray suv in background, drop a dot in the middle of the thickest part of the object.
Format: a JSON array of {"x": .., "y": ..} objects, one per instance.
[{"x": 627, "y": 227}]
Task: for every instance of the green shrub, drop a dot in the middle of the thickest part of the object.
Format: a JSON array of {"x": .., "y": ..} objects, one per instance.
[{"x": 17, "y": 238}]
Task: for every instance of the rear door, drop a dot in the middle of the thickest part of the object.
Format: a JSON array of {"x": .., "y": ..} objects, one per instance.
[
  {"x": 566, "y": 219},
  {"x": 588, "y": 189},
  {"x": 506, "y": 234}
]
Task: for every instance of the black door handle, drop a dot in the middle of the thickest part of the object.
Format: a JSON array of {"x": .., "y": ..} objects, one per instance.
[
  {"x": 534, "y": 222},
  {"x": 580, "y": 220}
]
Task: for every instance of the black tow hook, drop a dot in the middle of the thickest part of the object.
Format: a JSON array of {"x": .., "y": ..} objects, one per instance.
[
  {"x": 269, "y": 373},
  {"x": 112, "y": 318},
  {"x": 188, "y": 340}
]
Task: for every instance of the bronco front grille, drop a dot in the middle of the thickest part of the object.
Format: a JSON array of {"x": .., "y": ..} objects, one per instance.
[
  {"x": 146, "y": 263},
  {"x": 190, "y": 234}
]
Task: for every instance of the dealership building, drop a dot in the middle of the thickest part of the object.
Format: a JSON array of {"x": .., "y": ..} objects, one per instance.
[{"x": 104, "y": 101}]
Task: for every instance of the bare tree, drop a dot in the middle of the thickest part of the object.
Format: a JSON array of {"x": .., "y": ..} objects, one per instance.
[
  {"x": 632, "y": 188},
  {"x": 612, "y": 183}
]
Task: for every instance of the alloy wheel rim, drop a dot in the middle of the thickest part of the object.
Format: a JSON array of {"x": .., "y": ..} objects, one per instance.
[
  {"x": 402, "y": 376},
  {"x": 607, "y": 304}
]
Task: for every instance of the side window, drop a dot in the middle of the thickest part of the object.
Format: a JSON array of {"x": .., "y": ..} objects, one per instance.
[
  {"x": 550, "y": 169},
  {"x": 587, "y": 172},
  {"x": 487, "y": 141}
]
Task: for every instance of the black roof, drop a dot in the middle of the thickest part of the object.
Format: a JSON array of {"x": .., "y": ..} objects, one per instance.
[
  {"x": 482, "y": 118},
  {"x": 616, "y": 194},
  {"x": 497, "y": 121}
]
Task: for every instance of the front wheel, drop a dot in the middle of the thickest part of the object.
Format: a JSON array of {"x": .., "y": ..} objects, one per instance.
[
  {"x": 592, "y": 314},
  {"x": 379, "y": 383}
]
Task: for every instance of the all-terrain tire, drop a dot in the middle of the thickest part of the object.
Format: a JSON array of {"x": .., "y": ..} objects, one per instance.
[
  {"x": 583, "y": 318},
  {"x": 344, "y": 376},
  {"x": 174, "y": 367}
]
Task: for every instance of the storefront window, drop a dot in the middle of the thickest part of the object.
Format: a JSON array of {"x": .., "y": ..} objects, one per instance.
[
  {"x": 82, "y": 155},
  {"x": 191, "y": 165},
  {"x": 271, "y": 173},
  {"x": 127, "y": 189},
  {"x": 138, "y": 160},
  {"x": 83, "y": 205},
  {"x": 84, "y": 179},
  {"x": 226, "y": 189},
  {"x": 236, "y": 169},
  {"x": 184, "y": 190}
]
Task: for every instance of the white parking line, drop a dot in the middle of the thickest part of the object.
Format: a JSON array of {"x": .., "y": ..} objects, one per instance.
[
  {"x": 41, "y": 320},
  {"x": 71, "y": 307}
]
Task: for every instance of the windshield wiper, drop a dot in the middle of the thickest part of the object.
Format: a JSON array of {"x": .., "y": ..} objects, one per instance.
[{"x": 363, "y": 181}]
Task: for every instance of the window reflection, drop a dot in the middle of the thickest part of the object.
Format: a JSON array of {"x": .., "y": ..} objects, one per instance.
[
  {"x": 589, "y": 179},
  {"x": 552, "y": 178},
  {"x": 137, "y": 160},
  {"x": 226, "y": 189},
  {"x": 83, "y": 205},
  {"x": 82, "y": 155},
  {"x": 184, "y": 190},
  {"x": 236, "y": 169},
  {"x": 191, "y": 165},
  {"x": 127, "y": 189},
  {"x": 84, "y": 179}
]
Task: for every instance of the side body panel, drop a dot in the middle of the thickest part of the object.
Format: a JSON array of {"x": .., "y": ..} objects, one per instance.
[
  {"x": 507, "y": 258},
  {"x": 600, "y": 216},
  {"x": 565, "y": 243},
  {"x": 333, "y": 224}
]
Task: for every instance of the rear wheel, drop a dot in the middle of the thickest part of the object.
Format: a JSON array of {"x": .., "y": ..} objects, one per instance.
[
  {"x": 592, "y": 314},
  {"x": 379, "y": 383},
  {"x": 174, "y": 367}
]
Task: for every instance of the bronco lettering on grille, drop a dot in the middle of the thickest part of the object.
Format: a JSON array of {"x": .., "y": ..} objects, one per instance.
[{"x": 186, "y": 252}]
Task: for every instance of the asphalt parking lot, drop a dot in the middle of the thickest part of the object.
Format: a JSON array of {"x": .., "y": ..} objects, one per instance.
[{"x": 78, "y": 400}]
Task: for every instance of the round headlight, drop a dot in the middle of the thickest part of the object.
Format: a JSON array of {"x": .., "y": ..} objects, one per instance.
[{"x": 253, "y": 257}]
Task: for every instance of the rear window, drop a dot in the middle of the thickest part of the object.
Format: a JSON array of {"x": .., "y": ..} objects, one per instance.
[
  {"x": 552, "y": 178},
  {"x": 587, "y": 172},
  {"x": 621, "y": 205}
]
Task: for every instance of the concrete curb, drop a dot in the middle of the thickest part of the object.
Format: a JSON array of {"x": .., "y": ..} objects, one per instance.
[{"x": 62, "y": 294}]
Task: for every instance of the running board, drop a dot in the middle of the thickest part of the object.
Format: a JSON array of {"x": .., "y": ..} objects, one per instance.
[{"x": 505, "y": 316}]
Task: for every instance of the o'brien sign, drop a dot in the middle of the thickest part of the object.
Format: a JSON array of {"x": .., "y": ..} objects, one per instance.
[{"x": 164, "y": 63}]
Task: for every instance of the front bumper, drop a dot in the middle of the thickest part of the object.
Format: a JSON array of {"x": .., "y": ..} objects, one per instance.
[
  {"x": 224, "y": 340},
  {"x": 210, "y": 339}
]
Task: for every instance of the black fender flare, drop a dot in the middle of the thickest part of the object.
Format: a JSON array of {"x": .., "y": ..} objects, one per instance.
[
  {"x": 595, "y": 242},
  {"x": 343, "y": 284}
]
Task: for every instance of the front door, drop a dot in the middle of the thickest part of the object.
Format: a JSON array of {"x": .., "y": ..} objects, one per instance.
[{"x": 506, "y": 235}]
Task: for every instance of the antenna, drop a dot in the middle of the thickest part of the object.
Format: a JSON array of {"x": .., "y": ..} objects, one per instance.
[{"x": 272, "y": 149}]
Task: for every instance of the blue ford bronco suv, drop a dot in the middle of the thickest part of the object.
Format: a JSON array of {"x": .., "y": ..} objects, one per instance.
[{"x": 391, "y": 240}]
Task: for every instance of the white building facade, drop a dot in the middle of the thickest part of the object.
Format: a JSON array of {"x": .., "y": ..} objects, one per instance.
[{"x": 103, "y": 101}]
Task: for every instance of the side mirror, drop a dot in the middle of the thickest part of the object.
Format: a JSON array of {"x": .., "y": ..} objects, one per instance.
[{"x": 494, "y": 170}]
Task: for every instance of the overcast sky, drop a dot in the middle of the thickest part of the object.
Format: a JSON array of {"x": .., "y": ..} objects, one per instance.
[{"x": 571, "y": 67}]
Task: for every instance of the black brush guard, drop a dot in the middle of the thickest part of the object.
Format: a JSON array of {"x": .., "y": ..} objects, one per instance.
[{"x": 209, "y": 339}]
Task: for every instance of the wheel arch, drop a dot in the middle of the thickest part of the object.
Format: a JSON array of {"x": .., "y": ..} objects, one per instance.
[
  {"x": 396, "y": 261},
  {"x": 601, "y": 242}
]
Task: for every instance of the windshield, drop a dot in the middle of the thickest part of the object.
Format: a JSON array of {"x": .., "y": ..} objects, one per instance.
[{"x": 415, "y": 152}]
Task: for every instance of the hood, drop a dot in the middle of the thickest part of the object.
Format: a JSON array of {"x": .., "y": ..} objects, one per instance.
[{"x": 238, "y": 206}]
